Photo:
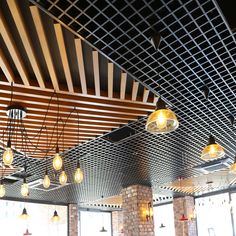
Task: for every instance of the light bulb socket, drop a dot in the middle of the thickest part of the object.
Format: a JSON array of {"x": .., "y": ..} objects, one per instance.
[
  {"x": 1, "y": 181},
  {"x": 24, "y": 180},
  {"x": 8, "y": 143},
  {"x": 211, "y": 140},
  {"x": 46, "y": 171},
  {"x": 160, "y": 104},
  {"x": 57, "y": 149},
  {"x": 78, "y": 164},
  {"x": 55, "y": 214},
  {"x": 24, "y": 212}
]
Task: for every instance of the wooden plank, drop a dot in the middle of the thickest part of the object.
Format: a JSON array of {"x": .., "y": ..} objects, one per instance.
[
  {"x": 145, "y": 94},
  {"x": 110, "y": 79},
  {"x": 123, "y": 85},
  {"x": 64, "y": 58},
  {"x": 12, "y": 48},
  {"x": 80, "y": 61},
  {"x": 135, "y": 90},
  {"x": 44, "y": 45},
  {"x": 96, "y": 73},
  {"x": 4, "y": 65},
  {"x": 18, "y": 19}
]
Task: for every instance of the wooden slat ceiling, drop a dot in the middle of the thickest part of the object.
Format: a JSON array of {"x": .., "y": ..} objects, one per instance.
[
  {"x": 40, "y": 57},
  {"x": 203, "y": 183}
]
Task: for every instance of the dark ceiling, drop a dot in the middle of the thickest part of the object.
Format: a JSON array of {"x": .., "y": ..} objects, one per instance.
[{"x": 197, "y": 49}]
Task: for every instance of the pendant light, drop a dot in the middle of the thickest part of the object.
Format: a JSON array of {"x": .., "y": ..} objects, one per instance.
[
  {"x": 24, "y": 215},
  {"x": 2, "y": 189},
  {"x": 57, "y": 160},
  {"x": 79, "y": 176},
  {"x": 103, "y": 230},
  {"x": 46, "y": 179},
  {"x": 162, "y": 226},
  {"x": 55, "y": 218},
  {"x": 63, "y": 176},
  {"x": 24, "y": 188},
  {"x": 212, "y": 151},
  {"x": 27, "y": 233},
  {"x": 183, "y": 218},
  {"x": 162, "y": 120},
  {"x": 8, "y": 154}
]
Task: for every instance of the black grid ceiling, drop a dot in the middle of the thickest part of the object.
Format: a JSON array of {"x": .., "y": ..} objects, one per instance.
[{"x": 197, "y": 49}]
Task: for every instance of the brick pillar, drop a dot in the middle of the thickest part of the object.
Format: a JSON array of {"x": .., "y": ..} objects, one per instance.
[
  {"x": 184, "y": 205},
  {"x": 73, "y": 219},
  {"x": 117, "y": 223},
  {"x": 135, "y": 201}
]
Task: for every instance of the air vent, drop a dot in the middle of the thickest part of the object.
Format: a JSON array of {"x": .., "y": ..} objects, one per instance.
[
  {"x": 120, "y": 134},
  {"x": 38, "y": 185},
  {"x": 215, "y": 165}
]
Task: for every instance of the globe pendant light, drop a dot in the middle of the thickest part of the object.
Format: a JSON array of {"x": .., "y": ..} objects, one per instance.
[
  {"x": 8, "y": 154},
  {"x": 79, "y": 176},
  {"x": 162, "y": 120},
  {"x": 55, "y": 217},
  {"x": 212, "y": 150},
  {"x": 232, "y": 169},
  {"x": 24, "y": 215},
  {"x": 24, "y": 189},
  {"x": 46, "y": 180},
  {"x": 2, "y": 189},
  {"x": 63, "y": 177},
  {"x": 57, "y": 160}
]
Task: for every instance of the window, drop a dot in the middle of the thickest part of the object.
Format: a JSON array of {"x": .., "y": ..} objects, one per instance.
[
  {"x": 213, "y": 215},
  {"x": 164, "y": 216},
  {"x": 92, "y": 222},
  {"x": 39, "y": 222}
]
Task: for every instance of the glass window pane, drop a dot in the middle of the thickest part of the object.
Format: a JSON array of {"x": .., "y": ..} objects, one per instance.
[
  {"x": 164, "y": 215},
  {"x": 213, "y": 215},
  {"x": 39, "y": 222},
  {"x": 92, "y": 222}
]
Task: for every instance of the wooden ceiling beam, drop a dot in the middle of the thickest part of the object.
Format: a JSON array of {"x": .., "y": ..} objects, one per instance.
[
  {"x": 4, "y": 65},
  {"x": 135, "y": 90},
  {"x": 63, "y": 54},
  {"x": 80, "y": 61},
  {"x": 18, "y": 19},
  {"x": 44, "y": 45},
  {"x": 110, "y": 79},
  {"x": 12, "y": 48},
  {"x": 145, "y": 94},
  {"x": 96, "y": 73},
  {"x": 123, "y": 85}
]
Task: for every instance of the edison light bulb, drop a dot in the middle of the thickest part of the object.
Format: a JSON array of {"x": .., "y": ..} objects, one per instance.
[
  {"x": 8, "y": 156},
  {"x": 46, "y": 181},
  {"x": 79, "y": 176},
  {"x": 24, "y": 190},
  {"x": 63, "y": 178},
  {"x": 2, "y": 190},
  {"x": 57, "y": 162},
  {"x": 161, "y": 120}
]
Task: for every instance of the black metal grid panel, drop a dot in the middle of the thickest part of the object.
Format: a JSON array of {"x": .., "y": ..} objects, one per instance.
[{"x": 197, "y": 49}]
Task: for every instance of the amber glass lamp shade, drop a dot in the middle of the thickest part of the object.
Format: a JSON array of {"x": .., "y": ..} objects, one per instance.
[
  {"x": 78, "y": 176},
  {"x": 162, "y": 120},
  {"x": 2, "y": 189},
  {"x": 8, "y": 154},
  {"x": 24, "y": 215},
  {"x": 212, "y": 151},
  {"x": 55, "y": 217}
]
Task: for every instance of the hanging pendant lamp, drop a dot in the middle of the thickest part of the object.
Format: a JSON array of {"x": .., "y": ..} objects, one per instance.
[
  {"x": 8, "y": 154},
  {"x": 162, "y": 120},
  {"x": 78, "y": 176},
  {"x": 212, "y": 151},
  {"x": 55, "y": 218},
  {"x": 103, "y": 230},
  {"x": 24, "y": 215},
  {"x": 162, "y": 226},
  {"x": 57, "y": 160},
  {"x": 24, "y": 188},
  {"x": 63, "y": 176},
  {"x": 46, "y": 180},
  {"x": 183, "y": 218}
]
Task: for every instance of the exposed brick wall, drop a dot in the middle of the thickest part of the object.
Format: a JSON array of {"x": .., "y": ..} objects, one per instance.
[
  {"x": 73, "y": 219},
  {"x": 184, "y": 205},
  {"x": 117, "y": 223},
  {"x": 135, "y": 201}
]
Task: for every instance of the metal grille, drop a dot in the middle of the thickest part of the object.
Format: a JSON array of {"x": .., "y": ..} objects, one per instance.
[{"x": 197, "y": 49}]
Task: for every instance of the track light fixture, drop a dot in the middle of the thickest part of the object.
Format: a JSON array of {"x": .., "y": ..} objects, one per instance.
[
  {"x": 162, "y": 120},
  {"x": 212, "y": 151}
]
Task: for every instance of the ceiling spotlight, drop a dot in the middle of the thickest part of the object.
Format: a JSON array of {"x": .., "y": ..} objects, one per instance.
[
  {"x": 162, "y": 120},
  {"x": 156, "y": 40},
  {"x": 55, "y": 218},
  {"x": 24, "y": 215},
  {"x": 206, "y": 92},
  {"x": 212, "y": 151}
]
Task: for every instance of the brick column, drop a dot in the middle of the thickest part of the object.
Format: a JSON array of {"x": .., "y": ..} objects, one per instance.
[
  {"x": 184, "y": 205},
  {"x": 73, "y": 219},
  {"x": 117, "y": 223},
  {"x": 135, "y": 201}
]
